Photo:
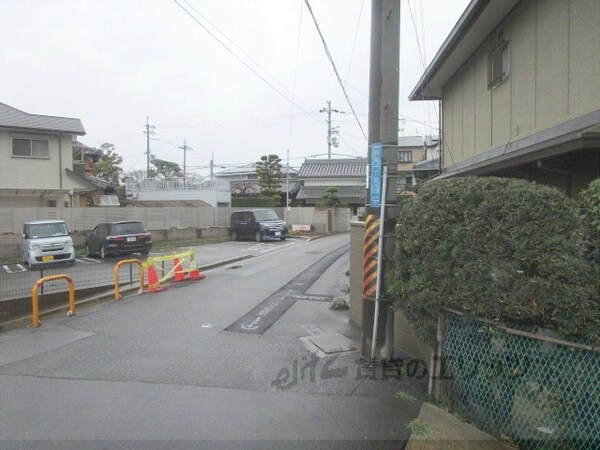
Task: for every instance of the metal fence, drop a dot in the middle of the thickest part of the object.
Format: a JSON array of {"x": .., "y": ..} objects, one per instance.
[
  {"x": 540, "y": 392},
  {"x": 90, "y": 275}
]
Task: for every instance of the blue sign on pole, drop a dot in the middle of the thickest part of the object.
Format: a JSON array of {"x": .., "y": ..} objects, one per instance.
[{"x": 375, "y": 175}]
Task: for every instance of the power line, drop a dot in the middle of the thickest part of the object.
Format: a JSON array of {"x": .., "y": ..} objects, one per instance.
[
  {"x": 254, "y": 71},
  {"x": 334, "y": 67}
]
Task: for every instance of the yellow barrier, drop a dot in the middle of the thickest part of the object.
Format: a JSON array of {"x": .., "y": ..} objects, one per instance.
[
  {"x": 35, "y": 302},
  {"x": 116, "y": 275},
  {"x": 151, "y": 261}
]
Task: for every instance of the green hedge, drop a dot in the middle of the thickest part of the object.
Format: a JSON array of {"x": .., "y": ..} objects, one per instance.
[
  {"x": 496, "y": 248},
  {"x": 589, "y": 202},
  {"x": 253, "y": 202}
]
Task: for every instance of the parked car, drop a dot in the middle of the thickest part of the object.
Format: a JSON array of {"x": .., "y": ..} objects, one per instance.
[
  {"x": 257, "y": 224},
  {"x": 118, "y": 238},
  {"x": 47, "y": 242}
]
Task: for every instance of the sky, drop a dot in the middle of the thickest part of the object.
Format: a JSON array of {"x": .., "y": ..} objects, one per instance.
[{"x": 238, "y": 80}]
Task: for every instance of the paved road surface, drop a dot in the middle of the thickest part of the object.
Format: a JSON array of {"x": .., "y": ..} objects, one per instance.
[{"x": 162, "y": 371}]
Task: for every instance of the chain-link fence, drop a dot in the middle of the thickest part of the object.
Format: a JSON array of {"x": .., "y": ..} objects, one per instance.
[{"x": 537, "y": 391}]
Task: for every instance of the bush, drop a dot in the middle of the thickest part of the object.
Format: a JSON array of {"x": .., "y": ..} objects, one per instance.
[
  {"x": 253, "y": 202},
  {"x": 495, "y": 248},
  {"x": 589, "y": 202}
]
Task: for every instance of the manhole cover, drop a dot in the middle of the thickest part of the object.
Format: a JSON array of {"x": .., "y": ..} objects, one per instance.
[{"x": 332, "y": 343}]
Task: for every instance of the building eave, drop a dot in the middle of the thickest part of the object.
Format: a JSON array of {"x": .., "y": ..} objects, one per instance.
[{"x": 474, "y": 25}]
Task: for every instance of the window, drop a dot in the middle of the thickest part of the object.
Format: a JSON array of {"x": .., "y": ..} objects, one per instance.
[
  {"x": 51, "y": 203},
  {"x": 77, "y": 155},
  {"x": 498, "y": 62},
  {"x": 30, "y": 148},
  {"x": 405, "y": 156}
]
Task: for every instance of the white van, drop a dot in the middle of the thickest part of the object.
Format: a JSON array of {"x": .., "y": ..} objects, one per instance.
[{"x": 47, "y": 241}]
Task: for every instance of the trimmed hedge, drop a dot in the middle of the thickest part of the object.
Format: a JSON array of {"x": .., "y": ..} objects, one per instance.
[
  {"x": 589, "y": 201},
  {"x": 254, "y": 202},
  {"x": 496, "y": 248}
]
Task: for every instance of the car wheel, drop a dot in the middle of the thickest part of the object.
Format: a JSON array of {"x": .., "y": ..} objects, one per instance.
[
  {"x": 234, "y": 236},
  {"x": 145, "y": 252},
  {"x": 103, "y": 254},
  {"x": 87, "y": 250},
  {"x": 283, "y": 238},
  {"x": 258, "y": 237}
]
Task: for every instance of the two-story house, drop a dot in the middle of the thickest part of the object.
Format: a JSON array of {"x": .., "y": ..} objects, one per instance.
[
  {"x": 36, "y": 160},
  {"x": 418, "y": 156},
  {"x": 519, "y": 86}
]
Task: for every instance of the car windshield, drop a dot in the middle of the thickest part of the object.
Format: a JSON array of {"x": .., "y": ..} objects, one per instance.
[
  {"x": 128, "y": 228},
  {"x": 45, "y": 230},
  {"x": 267, "y": 214}
]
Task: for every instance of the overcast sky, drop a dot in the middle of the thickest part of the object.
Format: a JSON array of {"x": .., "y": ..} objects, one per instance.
[{"x": 111, "y": 63}]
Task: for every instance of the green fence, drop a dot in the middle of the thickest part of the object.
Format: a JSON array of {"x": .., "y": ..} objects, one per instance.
[{"x": 539, "y": 392}]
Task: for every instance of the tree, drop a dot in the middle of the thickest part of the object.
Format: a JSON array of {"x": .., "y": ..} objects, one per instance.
[
  {"x": 166, "y": 169},
  {"x": 331, "y": 199},
  {"x": 269, "y": 175},
  {"x": 136, "y": 175},
  {"x": 108, "y": 166}
]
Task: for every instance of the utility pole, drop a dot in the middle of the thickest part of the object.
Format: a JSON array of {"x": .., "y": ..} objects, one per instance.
[
  {"x": 330, "y": 132},
  {"x": 382, "y": 211},
  {"x": 185, "y": 149},
  {"x": 149, "y": 129},
  {"x": 212, "y": 164}
]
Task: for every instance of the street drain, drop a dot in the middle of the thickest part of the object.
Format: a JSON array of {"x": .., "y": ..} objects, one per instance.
[
  {"x": 332, "y": 343},
  {"x": 237, "y": 266}
]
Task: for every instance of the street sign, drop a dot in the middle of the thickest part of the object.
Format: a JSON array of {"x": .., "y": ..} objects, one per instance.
[{"x": 375, "y": 175}]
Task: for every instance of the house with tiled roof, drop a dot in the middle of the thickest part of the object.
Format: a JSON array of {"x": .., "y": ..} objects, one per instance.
[
  {"x": 244, "y": 180},
  {"x": 36, "y": 160},
  {"x": 347, "y": 175}
]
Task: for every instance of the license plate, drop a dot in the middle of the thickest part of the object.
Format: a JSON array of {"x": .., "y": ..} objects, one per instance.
[
  {"x": 278, "y": 233},
  {"x": 131, "y": 239},
  {"x": 47, "y": 258}
]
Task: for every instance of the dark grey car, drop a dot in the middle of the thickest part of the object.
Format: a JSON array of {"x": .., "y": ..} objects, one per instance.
[
  {"x": 117, "y": 238},
  {"x": 257, "y": 224}
]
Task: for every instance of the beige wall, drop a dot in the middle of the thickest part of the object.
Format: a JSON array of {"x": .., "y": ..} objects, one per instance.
[
  {"x": 554, "y": 76},
  {"x": 33, "y": 173}
]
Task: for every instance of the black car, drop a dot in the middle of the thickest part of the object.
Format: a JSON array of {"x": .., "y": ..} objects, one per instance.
[
  {"x": 257, "y": 224},
  {"x": 117, "y": 238}
]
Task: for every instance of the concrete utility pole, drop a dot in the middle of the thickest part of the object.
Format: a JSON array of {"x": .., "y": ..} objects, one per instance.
[
  {"x": 383, "y": 131},
  {"x": 149, "y": 129},
  {"x": 330, "y": 132},
  {"x": 185, "y": 149}
]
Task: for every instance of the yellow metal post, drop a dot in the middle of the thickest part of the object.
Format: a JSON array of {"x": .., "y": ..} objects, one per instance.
[
  {"x": 35, "y": 302},
  {"x": 116, "y": 275}
]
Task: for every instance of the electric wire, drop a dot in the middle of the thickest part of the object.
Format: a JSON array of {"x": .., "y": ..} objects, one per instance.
[
  {"x": 248, "y": 66},
  {"x": 442, "y": 137},
  {"x": 334, "y": 67}
]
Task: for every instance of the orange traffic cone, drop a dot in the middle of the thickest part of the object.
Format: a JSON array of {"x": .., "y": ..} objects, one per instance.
[
  {"x": 179, "y": 273},
  {"x": 195, "y": 274},
  {"x": 153, "y": 281}
]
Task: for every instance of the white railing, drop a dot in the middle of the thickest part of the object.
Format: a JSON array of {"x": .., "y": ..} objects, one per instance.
[{"x": 150, "y": 185}]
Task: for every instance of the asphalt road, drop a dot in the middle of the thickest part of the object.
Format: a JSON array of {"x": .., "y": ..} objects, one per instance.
[{"x": 168, "y": 370}]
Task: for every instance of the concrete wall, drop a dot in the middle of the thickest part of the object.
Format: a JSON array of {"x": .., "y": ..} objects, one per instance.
[
  {"x": 405, "y": 339},
  {"x": 554, "y": 76}
]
